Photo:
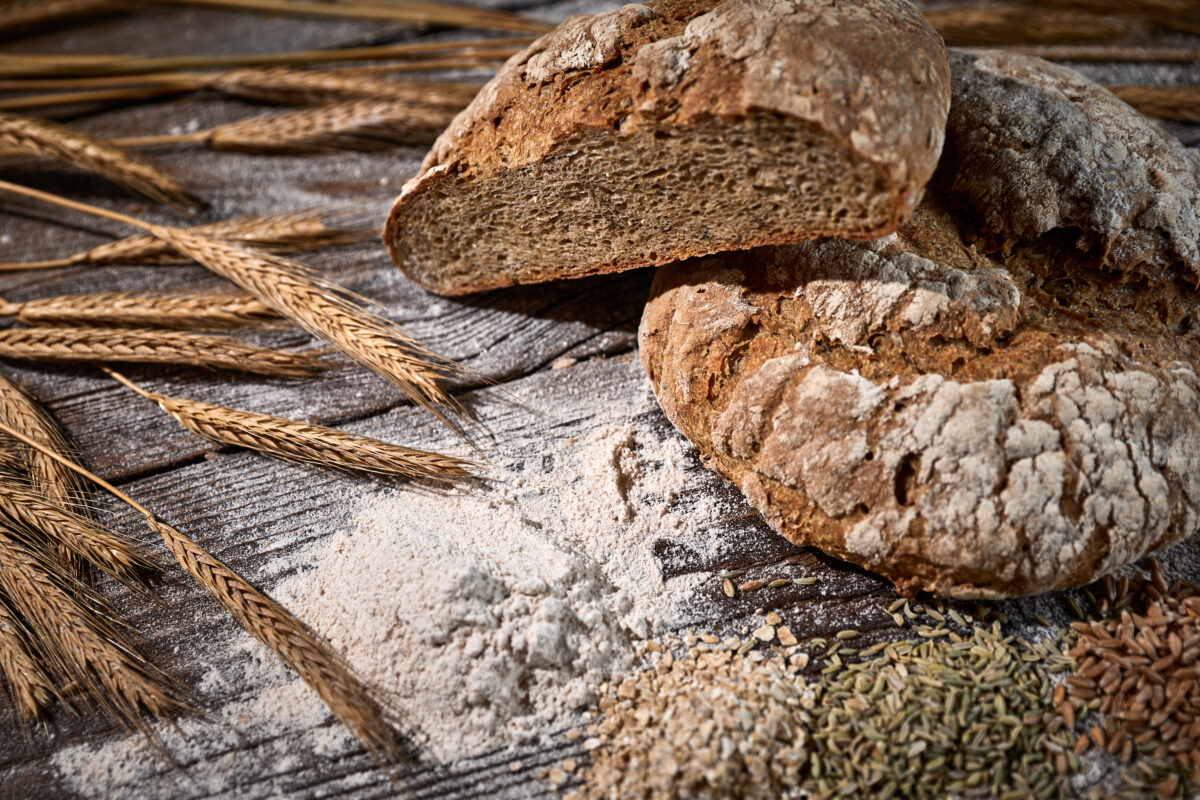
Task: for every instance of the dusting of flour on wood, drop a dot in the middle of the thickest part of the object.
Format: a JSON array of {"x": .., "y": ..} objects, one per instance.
[{"x": 490, "y": 614}]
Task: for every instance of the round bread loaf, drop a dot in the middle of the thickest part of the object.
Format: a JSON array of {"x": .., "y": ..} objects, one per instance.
[
  {"x": 988, "y": 419},
  {"x": 675, "y": 129}
]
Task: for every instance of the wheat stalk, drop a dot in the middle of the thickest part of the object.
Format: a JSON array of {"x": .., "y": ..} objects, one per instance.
[
  {"x": 21, "y": 136},
  {"x": 82, "y": 645},
  {"x": 1005, "y": 25},
  {"x": 27, "y": 102},
  {"x": 371, "y": 123},
  {"x": 148, "y": 346},
  {"x": 273, "y": 85},
  {"x": 195, "y": 311},
  {"x": 1123, "y": 6},
  {"x": 289, "y": 232},
  {"x": 421, "y": 13},
  {"x": 98, "y": 544},
  {"x": 1180, "y": 103},
  {"x": 1116, "y": 53},
  {"x": 300, "y": 441},
  {"x": 28, "y": 686},
  {"x": 51, "y": 65},
  {"x": 345, "y": 694},
  {"x": 22, "y": 14}
]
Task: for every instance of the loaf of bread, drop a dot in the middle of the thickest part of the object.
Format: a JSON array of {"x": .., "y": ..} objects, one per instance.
[
  {"x": 676, "y": 129},
  {"x": 983, "y": 420}
]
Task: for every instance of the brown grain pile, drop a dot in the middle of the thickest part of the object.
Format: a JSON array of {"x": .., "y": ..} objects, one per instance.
[
  {"x": 1144, "y": 666},
  {"x": 714, "y": 723}
]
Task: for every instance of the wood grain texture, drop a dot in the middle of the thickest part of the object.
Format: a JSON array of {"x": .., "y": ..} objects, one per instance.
[{"x": 253, "y": 512}]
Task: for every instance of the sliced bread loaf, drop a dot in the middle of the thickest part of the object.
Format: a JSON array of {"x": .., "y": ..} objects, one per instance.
[
  {"x": 999, "y": 418},
  {"x": 675, "y": 129}
]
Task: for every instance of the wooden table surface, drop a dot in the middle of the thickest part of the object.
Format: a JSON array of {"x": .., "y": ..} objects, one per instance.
[{"x": 251, "y": 511}]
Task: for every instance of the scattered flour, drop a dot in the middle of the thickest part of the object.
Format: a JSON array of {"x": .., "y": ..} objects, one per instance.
[
  {"x": 486, "y": 616},
  {"x": 277, "y": 719},
  {"x": 491, "y": 613}
]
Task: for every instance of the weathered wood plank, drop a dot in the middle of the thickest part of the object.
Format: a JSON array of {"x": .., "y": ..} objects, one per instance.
[{"x": 255, "y": 513}]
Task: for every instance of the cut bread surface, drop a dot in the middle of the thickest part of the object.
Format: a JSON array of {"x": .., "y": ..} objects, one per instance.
[
  {"x": 677, "y": 129},
  {"x": 608, "y": 200}
]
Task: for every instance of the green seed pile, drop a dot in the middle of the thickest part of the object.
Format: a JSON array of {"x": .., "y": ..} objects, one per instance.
[
  {"x": 953, "y": 716},
  {"x": 715, "y": 723}
]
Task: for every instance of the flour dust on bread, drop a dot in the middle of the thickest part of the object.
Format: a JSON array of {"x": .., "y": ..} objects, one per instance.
[
  {"x": 999, "y": 418},
  {"x": 676, "y": 129}
]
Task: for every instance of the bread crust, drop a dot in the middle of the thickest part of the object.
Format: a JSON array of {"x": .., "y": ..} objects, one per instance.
[
  {"x": 870, "y": 74},
  {"x": 975, "y": 420}
]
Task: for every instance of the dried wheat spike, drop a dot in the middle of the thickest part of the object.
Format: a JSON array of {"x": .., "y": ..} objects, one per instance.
[
  {"x": 366, "y": 124},
  {"x": 290, "y": 232},
  {"x": 293, "y": 231},
  {"x": 1180, "y": 103},
  {"x": 28, "y": 687},
  {"x": 303, "y": 442},
  {"x": 42, "y": 139},
  {"x": 316, "y": 87},
  {"x": 345, "y": 695},
  {"x": 146, "y": 346},
  {"x": 196, "y": 311},
  {"x": 1005, "y": 25},
  {"x": 327, "y": 311},
  {"x": 80, "y": 644},
  {"x": 98, "y": 544},
  {"x": 48, "y": 478}
]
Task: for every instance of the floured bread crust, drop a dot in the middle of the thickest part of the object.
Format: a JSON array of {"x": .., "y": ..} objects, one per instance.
[
  {"x": 863, "y": 79},
  {"x": 992, "y": 419}
]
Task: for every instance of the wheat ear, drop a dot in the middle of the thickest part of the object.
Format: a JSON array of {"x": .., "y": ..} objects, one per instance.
[
  {"x": 315, "y": 87},
  {"x": 47, "y": 477},
  {"x": 1180, "y": 103},
  {"x": 195, "y": 311},
  {"x": 328, "y": 312},
  {"x": 371, "y": 123},
  {"x": 149, "y": 346},
  {"x": 28, "y": 686},
  {"x": 345, "y": 694},
  {"x": 319, "y": 306},
  {"x": 81, "y": 644},
  {"x": 98, "y": 544},
  {"x": 300, "y": 441},
  {"x": 289, "y": 232},
  {"x": 22, "y": 136}
]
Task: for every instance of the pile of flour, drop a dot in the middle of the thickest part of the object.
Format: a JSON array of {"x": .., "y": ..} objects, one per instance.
[{"x": 490, "y": 613}]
